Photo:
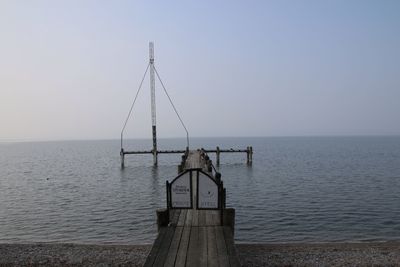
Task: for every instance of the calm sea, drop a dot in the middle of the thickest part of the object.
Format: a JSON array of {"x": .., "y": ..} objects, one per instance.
[{"x": 299, "y": 189}]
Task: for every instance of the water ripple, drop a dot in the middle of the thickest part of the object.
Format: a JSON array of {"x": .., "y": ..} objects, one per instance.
[{"x": 298, "y": 190}]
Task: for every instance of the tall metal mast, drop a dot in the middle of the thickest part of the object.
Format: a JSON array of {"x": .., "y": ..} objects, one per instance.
[{"x": 153, "y": 101}]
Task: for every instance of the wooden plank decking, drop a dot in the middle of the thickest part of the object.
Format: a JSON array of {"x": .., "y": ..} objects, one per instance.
[
  {"x": 194, "y": 238},
  {"x": 194, "y": 160}
]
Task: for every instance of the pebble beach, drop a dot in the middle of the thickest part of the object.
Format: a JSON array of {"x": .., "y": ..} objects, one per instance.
[{"x": 321, "y": 254}]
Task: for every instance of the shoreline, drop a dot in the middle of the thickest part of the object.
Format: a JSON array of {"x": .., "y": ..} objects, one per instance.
[
  {"x": 271, "y": 254},
  {"x": 321, "y": 254}
]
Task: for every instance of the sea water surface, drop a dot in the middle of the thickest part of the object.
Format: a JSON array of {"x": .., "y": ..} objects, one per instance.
[{"x": 298, "y": 189}]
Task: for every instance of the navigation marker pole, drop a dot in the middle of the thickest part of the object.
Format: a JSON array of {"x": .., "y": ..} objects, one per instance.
[
  {"x": 153, "y": 75},
  {"x": 153, "y": 101}
]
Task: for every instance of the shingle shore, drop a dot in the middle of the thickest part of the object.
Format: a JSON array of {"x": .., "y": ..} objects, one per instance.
[
  {"x": 45, "y": 254},
  {"x": 325, "y": 254}
]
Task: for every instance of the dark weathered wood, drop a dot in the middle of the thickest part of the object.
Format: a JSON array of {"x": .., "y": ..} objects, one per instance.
[
  {"x": 183, "y": 247},
  {"x": 173, "y": 249},
  {"x": 188, "y": 221},
  {"x": 230, "y": 246},
  {"x": 171, "y": 151},
  {"x": 162, "y": 218},
  {"x": 155, "y": 248},
  {"x": 209, "y": 218},
  {"x": 199, "y": 241},
  {"x": 190, "y": 163},
  {"x": 203, "y": 245},
  {"x": 194, "y": 161},
  {"x": 174, "y": 217},
  {"x": 216, "y": 215},
  {"x": 227, "y": 151},
  {"x": 164, "y": 247},
  {"x": 222, "y": 252},
  {"x": 182, "y": 218},
  {"x": 212, "y": 253},
  {"x": 183, "y": 151},
  {"x": 229, "y": 218},
  {"x": 195, "y": 219},
  {"x": 193, "y": 254},
  {"x": 137, "y": 152},
  {"x": 217, "y": 151},
  {"x": 195, "y": 237},
  {"x": 151, "y": 152},
  {"x": 202, "y": 217}
]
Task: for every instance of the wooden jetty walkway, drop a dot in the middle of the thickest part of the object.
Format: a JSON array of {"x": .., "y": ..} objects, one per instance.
[{"x": 196, "y": 229}]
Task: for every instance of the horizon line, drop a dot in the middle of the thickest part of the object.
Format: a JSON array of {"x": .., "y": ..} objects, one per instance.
[{"x": 34, "y": 140}]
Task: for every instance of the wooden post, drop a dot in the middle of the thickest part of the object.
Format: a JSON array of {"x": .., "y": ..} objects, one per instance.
[
  {"x": 179, "y": 168},
  {"x": 155, "y": 159},
  {"x": 122, "y": 158},
  {"x": 218, "y": 152},
  {"x": 248, "y": 154},
  {"x": 229, "y": 219},
  {"x": 218, "y": 177},
  {"x": 181, "y": 165},
  {"x": 221, "y": 202},
  {"x": 210, "y": 168},
  {"x": 251, "y": 155},
  {"x": 224, "y": 198},
  {"x": 162, "y": 218}
]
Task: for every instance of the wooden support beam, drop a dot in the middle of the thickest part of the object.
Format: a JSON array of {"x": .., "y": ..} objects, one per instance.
[
  {"x": 226, "y": 150},
  {"x": 158, "y": 152},
  {"x": 218, "y": 151}
]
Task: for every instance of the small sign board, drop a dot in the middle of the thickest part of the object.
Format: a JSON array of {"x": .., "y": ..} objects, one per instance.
[
  {"x": 181, "y": 192},
  {"x": 207, "y": 192}
]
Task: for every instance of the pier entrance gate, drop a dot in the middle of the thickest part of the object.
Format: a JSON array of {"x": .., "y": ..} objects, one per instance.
[{"x": 196, "y": 189}]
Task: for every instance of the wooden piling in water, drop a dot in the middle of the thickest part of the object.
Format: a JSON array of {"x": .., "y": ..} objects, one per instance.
[
  {"x": 251, "y": 154},
  {"x": 217, "y": 152},
  {"x": 122, "y": 158}
]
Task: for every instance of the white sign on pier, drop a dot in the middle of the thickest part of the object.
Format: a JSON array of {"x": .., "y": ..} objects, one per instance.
[
  {"x": 207, "y": 192},
  {"x": 181, "y": 192}
]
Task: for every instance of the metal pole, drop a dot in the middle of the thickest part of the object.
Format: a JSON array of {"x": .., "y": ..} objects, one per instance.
[{"x": 153, "y": 101}]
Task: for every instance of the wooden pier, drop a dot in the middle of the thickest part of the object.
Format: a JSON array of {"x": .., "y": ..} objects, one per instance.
[
  {"x": 217, "y": 151},
  {"x": 155, "y": 152},
  {"x": 195, "y": 230}
]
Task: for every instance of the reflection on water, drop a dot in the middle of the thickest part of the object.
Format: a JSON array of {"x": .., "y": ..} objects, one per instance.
[{"x": 298, "y": 190}]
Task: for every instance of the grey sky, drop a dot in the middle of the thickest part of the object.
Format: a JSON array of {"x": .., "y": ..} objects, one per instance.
[{"x": 70, "y": 69}]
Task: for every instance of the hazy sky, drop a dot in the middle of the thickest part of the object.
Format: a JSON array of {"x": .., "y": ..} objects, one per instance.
[{"x": 70, "y": 69}]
